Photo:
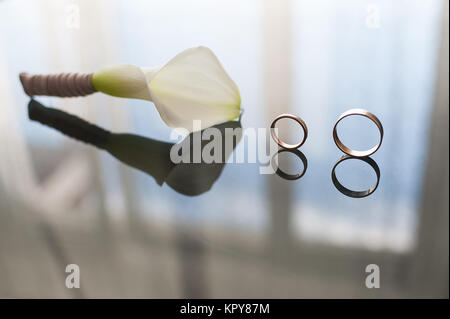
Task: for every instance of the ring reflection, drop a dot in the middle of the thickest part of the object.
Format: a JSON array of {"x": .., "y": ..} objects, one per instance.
[
  {"x": 285, "y": 175},
  {"x": 353, "y": 193}
]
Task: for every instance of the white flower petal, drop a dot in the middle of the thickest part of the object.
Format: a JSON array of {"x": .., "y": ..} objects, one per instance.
[{"x": 194, "y": 86}]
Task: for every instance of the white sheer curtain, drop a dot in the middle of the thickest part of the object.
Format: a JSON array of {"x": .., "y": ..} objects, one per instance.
[
  {"x": 48, "y": 37},
  {"x": 381, "y": 56},
  {"x": 312, "y": 58}
]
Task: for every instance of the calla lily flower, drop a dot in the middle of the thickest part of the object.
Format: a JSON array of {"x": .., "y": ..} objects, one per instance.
[{"x": 192, "y": 86}]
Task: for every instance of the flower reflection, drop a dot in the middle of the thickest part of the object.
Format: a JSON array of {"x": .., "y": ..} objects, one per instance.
[
  {"x": 353, "y": 193},
  {"x": 145, "y": 154}
]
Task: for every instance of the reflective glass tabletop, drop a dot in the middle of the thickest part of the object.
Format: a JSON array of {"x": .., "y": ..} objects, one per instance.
[{"x": 96, "y": 175}]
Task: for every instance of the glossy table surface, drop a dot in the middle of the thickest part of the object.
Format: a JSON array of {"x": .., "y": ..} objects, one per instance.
[{"x": 306, "y": 236}]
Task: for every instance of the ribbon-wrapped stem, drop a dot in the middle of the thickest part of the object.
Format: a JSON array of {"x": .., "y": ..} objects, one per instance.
[{"x": 61, "y": 84}]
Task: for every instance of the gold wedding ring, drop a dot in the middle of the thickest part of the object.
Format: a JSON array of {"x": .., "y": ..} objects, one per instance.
[
  {"x": 280, "y": 142},
  {"x": 349, "y": 151}
]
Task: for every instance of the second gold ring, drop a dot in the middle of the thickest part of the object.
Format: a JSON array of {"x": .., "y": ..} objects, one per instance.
[{"x": 349, "y": 151}]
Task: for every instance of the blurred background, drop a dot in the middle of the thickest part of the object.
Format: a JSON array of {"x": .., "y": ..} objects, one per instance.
[{"x": 251, "y": 236}]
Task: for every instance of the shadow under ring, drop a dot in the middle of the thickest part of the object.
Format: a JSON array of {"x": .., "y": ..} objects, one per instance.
[
  {"x": 351, "y": 193},
  {"x": 284, "y": 175}
]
